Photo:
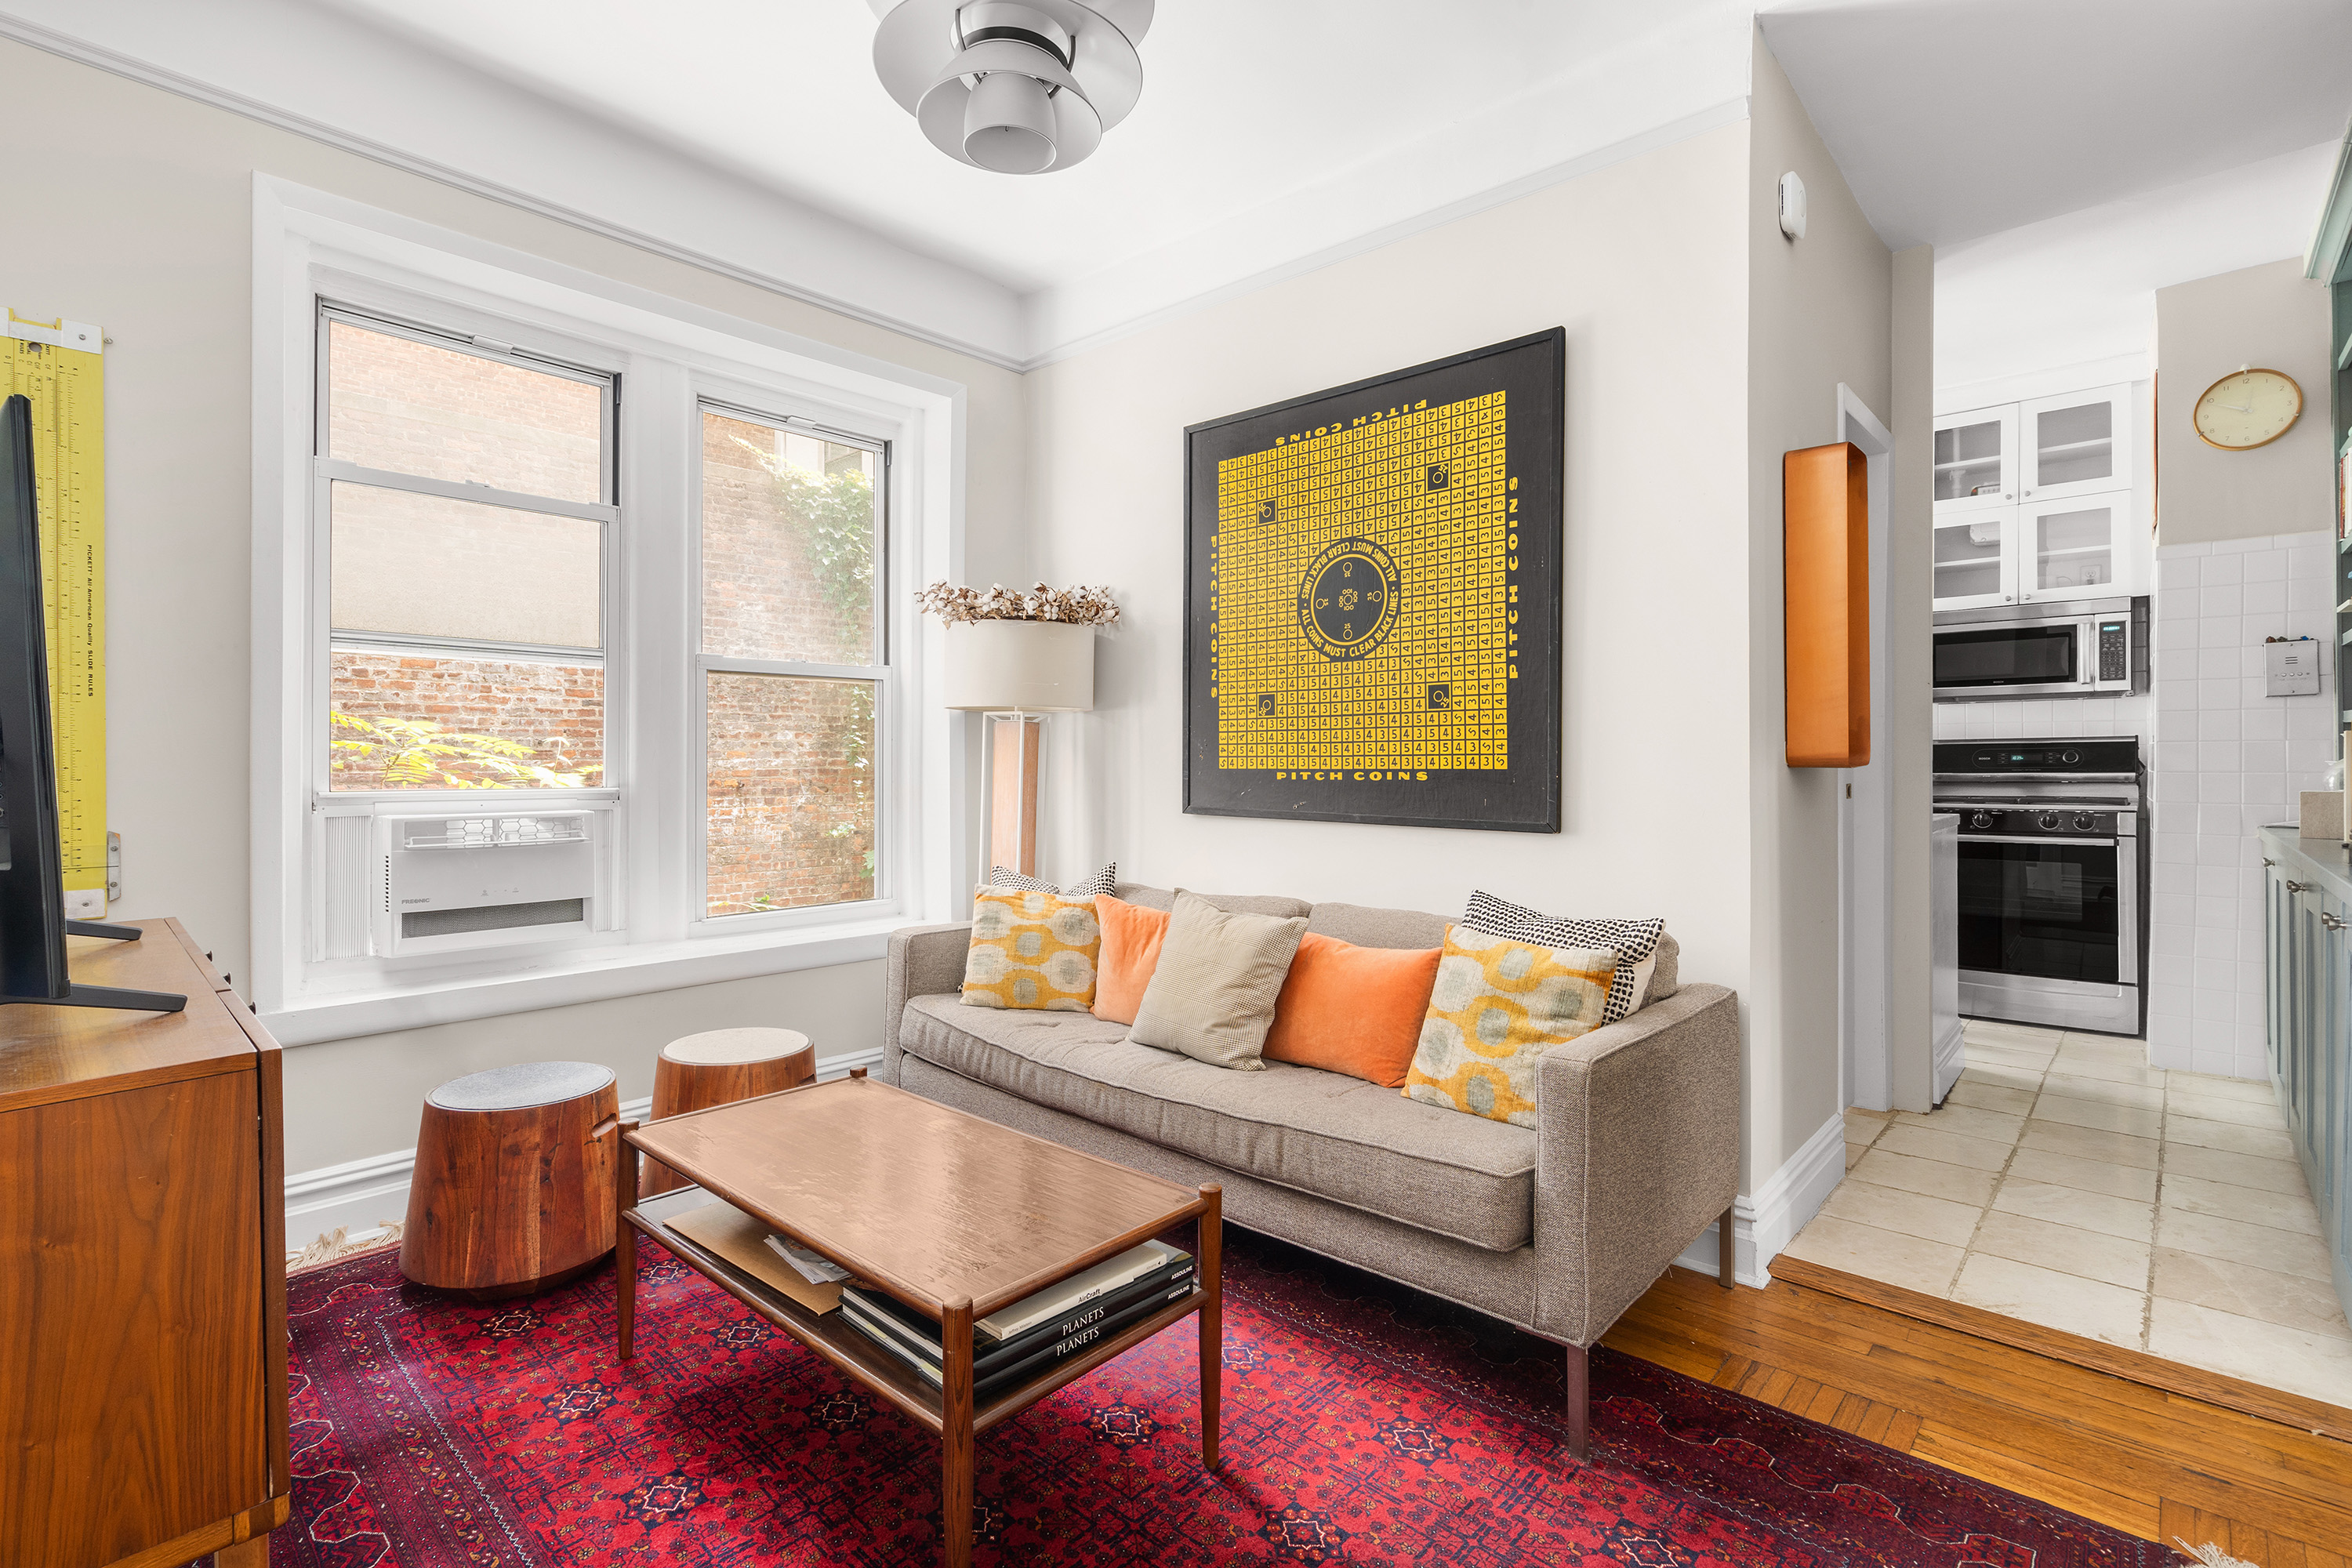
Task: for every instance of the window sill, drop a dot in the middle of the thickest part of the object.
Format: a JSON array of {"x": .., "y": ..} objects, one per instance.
[{"x": 594, "y": 976}]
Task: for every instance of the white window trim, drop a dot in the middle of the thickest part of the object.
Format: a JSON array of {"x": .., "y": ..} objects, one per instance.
[{"x": 309, "y": 243}]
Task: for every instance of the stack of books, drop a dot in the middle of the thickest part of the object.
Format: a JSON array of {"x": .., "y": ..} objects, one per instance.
[{"x": 1036, "y": 1333}]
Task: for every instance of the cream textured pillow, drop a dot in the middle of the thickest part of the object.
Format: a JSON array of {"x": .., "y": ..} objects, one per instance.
[{"x": 1213, "y": 994}]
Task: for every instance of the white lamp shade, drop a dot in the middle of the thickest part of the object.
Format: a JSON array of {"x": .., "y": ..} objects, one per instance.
[{"x": 1032, "y": 666}]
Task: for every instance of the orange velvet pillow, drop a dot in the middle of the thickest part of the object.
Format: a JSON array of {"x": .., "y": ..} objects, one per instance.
[
  {"x": 1355, "y": 1010},
  {"x": 1132, "y": 936}
]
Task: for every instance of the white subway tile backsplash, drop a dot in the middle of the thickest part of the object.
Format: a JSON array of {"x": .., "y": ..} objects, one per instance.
[
  {"x": 2165, "y": 553},
  {"x": 2302, "y": 593},
  {"x": 2264, "y": 598},
  {"x": 2220, "y": 788},
  {"x": 2212, "y": 694},
  {"x": 2220, "y": 848},
  {"x": 2222, "y": 567},
  {"x": 2265, "y": 723},
  {"x": 2266, "y": 756},
  {"x": 2266, "y": 566},
  {"x": 2223, "y": 600}
]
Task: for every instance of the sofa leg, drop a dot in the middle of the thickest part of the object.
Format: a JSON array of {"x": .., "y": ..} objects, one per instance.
[
  {"x": 1580, "y": 1401},
  {"x": 1727, "y": 1252}
]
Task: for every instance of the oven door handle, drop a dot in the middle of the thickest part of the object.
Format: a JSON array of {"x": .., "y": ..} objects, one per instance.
[{"x": 2024, "y": 838}]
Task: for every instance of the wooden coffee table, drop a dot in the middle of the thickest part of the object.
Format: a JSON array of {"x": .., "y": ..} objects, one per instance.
[{"x": 955, "y": 1217}]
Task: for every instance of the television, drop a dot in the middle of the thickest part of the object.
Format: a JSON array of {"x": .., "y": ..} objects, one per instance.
[{"x": 33, "y": 924}]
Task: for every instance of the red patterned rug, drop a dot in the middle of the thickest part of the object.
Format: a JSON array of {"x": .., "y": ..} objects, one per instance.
[{"x": 1363, "y": 1423}]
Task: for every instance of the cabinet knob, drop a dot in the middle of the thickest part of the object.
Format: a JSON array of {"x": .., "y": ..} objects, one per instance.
[
  {"x": 2330, "y": 921},
  {"x": 2268, "y": 861},
  {"x": 2294, "y": 886}
]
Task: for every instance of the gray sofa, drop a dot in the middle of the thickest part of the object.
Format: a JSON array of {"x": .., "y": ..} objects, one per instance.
[{"x": 1557, "y": 1228}]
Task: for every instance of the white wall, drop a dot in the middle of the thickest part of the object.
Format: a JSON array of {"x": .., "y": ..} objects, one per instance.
[
  {"x": 1675, "y": 796},
  {"x": 1819, "y": 312},
  {"x": 131, "y": 208},
  {"x": 2227, "y": 760},
  {"x": 1644, "y": 264},
  {"x": 2271, "y": 316}
]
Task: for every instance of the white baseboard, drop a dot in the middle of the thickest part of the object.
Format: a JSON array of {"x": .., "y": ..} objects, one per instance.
[
  {"x": 363, "y": 1195},
  {"x": 1767, "y": 1221},
  {"x": 1950, "y": 1056}
]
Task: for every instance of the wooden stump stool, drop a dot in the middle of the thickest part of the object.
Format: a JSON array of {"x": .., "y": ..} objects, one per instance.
[
  {"x": 513, "y": 1189},
  {"x": 718, "y": 1068}
]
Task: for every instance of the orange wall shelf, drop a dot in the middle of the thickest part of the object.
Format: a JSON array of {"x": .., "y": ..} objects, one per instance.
[{"x": 1825, "y": 546}]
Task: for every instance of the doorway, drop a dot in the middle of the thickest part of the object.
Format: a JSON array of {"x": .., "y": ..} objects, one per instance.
[{"x": 1865, "y": 823}]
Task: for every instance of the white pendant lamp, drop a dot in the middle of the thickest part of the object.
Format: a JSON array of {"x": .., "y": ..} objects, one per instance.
[{"x": 1018, "y": 87}]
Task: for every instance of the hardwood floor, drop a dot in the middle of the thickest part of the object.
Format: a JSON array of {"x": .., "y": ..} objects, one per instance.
[{"x": 2158, "y": 1464}]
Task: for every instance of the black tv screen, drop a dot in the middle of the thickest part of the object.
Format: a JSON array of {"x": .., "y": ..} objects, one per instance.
[{"x": 33, "y": 924}]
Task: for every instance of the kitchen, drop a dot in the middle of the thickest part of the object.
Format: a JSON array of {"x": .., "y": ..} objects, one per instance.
[{"x": 2138, "y": 584}]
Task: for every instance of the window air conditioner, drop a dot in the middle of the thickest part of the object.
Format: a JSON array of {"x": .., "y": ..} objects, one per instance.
[{"x": 454, "y": 883}]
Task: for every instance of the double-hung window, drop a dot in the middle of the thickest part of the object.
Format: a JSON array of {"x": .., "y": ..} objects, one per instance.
[
  {"x": 549, "y": 564},
  {"x": 468, "y": 494},
  {"x": 792, "y": 665}
]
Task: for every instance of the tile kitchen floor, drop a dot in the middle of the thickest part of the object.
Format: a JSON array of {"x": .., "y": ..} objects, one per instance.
[{"x": 2067, "y": 1183}]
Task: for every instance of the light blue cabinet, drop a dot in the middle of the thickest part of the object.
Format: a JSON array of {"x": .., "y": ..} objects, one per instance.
[{"x": 2307, "y": 952}]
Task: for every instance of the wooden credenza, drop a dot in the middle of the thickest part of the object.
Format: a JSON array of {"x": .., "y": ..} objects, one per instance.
[{"x": 143, "y": 1272}]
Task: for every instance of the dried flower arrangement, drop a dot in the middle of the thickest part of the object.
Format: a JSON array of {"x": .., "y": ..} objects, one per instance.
[{"x": 1080, "y": 606}]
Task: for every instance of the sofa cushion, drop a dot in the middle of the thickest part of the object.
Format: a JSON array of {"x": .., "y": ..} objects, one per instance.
[
  {"x": 1364, "y": 925},
  {"x": 1164, "y": 899},
  {"x": 1337, "y": 1138}
]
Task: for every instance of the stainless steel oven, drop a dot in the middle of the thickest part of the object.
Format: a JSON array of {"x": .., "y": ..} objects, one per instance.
[
  {"x": 2052, "y": 879},
  {"x": 2094, "y": 647}
]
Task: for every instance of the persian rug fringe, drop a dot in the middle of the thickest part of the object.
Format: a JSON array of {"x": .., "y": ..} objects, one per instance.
[
  {"x": 2213, "y": 1556},
  {"x": 334, "y": 1248}
]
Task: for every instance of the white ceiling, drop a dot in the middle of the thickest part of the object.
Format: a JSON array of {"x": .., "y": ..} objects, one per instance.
[
  {"x": 1246, "y": 106},
  {"x": 752, "y": 135},
  {"x": 2080, "y": 288},
  {"x": 1268, "y": 133},
  {"x": 1956, "y": 118}
]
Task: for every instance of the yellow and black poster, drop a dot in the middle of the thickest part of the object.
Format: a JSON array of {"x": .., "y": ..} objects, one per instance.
[{"x": 1373, "y": 593}]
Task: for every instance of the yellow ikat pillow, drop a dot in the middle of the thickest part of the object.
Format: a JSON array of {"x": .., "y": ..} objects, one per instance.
[
  {"x": 1498, "y": 1006},
  {"x": 1032, "y": 950}
]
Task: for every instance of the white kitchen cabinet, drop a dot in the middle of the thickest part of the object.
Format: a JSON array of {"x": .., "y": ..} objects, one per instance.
[
  {"x": 2080, "y": 548},
  {"x": 1976, "y": 460},
  {"x": 2077, "y": 548},
  {"x": 1976, "y": 559},
  {"x": 2076, "y": 445}
]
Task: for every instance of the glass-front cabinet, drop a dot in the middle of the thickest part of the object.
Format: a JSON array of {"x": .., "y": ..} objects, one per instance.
[
  {"x": 2033, "y": 502},
  {"x": 1976, "y": 460},
  {"x": 2075, "y": 549},
  {"x": 2077, "y": 445},
  {"x": 1976, "y": 560}
]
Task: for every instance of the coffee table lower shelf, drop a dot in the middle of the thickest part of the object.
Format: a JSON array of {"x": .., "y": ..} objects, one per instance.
[{"x": 850, "y": 1351}]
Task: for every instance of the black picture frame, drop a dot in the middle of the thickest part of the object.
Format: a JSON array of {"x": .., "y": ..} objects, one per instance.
[{"x": 1389, "y": 604}]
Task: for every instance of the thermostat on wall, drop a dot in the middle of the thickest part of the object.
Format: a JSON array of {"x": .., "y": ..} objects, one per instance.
[
  {"x": 2292, "y": 665},
  {"x": 1792, "y": 205}
]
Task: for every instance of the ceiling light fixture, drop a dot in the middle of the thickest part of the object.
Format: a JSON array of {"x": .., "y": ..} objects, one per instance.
[{"x": 1019, "y": 87}]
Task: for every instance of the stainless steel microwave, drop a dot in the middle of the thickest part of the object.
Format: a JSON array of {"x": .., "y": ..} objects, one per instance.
[{"x": 2085, "y": 648}]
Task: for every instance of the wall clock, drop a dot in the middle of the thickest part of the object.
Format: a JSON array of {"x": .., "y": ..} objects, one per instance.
[{"x": 2249, "y": 407}]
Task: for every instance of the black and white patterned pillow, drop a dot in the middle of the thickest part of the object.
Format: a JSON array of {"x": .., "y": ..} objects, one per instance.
[
  {"x": 1103, "y": 882},
  {"x": 1635, "y": 941}
]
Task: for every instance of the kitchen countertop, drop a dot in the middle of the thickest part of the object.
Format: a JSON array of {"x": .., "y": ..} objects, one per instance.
[{"x": 2321, "y": 859}]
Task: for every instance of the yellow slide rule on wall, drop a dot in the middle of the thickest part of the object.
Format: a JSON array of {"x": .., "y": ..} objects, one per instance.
[{"x": 60, "y": 366}]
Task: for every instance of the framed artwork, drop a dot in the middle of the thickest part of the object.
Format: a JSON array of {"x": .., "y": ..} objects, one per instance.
[{"x": 1372, "y": 593}]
